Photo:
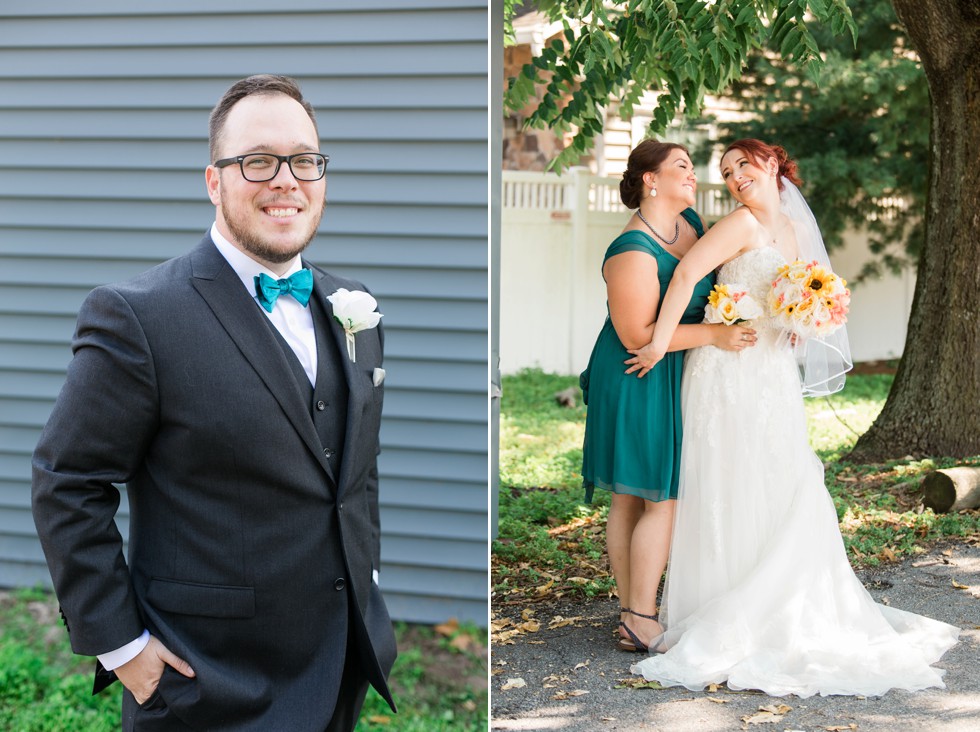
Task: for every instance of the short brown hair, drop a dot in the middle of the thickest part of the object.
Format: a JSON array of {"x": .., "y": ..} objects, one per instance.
[{"x": 253, "y": 85}]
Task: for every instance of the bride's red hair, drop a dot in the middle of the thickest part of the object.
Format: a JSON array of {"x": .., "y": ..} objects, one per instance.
[{"x": 761, "y": 151}]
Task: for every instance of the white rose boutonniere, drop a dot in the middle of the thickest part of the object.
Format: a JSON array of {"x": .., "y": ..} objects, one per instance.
[{"x": 356, "y": 311}]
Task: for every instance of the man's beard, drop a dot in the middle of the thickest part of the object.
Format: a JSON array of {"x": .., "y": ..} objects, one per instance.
[{"x": 255, "y": 245}]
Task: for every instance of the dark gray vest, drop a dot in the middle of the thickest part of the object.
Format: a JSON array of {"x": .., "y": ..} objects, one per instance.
[{"x": 328, "y": 399}]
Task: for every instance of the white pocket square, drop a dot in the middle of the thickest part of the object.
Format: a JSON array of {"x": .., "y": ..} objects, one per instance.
[{"x": 379, "y": 376}]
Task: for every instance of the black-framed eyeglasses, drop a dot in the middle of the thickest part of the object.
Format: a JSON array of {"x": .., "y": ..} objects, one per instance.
[{"x": 260, "y": 167}]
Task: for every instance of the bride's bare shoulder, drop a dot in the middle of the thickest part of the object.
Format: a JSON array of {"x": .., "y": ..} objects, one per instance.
[
  {"x": 738, "y": 229},
  {"x": 740, "y": 219}
]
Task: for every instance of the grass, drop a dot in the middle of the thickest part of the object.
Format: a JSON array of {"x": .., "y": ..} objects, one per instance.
[
  {"x": 439, "y": 680},
  {"x": 550, "y": 544}
]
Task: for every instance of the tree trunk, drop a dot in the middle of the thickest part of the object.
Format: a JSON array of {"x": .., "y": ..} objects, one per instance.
[
  {"x": 934, "y": 404},
  {"x": 952, "y": 489}
]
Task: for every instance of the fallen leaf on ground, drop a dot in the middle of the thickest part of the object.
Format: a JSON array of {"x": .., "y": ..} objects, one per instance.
[
  {"x": 776, "y": 709},
  {"x": 583, "y": 664},
  {"x": 506, "y": 638},
  {"x": 718, "y": 700},
  {"x": 559, "y": 622},
  {"x": 762, "y": 718},
  {"x": 556, "y": 680},
  {"x": 841, "y": 728},
  {"x": 560, "y": 695},
  {"x": 462, "y": 642},
  {"x": 527, "y": 613},
  {"x": 531, "y": 626},
  {"x": 379, "y": 719},
  {"x": 447, "y": 628},
  {"x": 959, "y": 586},
  {"x": 769, "y": 714},
  {"x": 578, "y": 580},
  {"x": 513, "y": 684},
  {"x": 712, "y": 688},
  {"x": 637, "y": 683}
]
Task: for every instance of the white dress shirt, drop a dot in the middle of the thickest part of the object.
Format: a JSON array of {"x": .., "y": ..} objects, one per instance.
[{"x": 292, "y": 320}]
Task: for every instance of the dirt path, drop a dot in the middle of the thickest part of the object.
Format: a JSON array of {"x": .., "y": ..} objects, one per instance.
[{"x": 573, "y": 675}]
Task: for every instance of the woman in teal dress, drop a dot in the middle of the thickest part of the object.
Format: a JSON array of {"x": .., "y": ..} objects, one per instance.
[{"x": 633, "y": 426}]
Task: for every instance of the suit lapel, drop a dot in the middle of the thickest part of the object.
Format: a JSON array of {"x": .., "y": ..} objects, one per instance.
[
  {"x": 323, "y": 286},
  {"x": 238, "y": 314}
]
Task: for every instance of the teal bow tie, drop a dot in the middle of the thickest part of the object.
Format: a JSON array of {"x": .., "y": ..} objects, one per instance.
[{"x": 299, "y": 285}]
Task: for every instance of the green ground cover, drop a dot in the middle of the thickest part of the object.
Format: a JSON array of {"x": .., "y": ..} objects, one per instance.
[
  {"x": 550, "y": 543},
  {"x": 439, "y": 680}
]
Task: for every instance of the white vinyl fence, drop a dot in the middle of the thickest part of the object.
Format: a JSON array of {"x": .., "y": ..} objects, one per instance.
[{"x": 554, "y": 232}]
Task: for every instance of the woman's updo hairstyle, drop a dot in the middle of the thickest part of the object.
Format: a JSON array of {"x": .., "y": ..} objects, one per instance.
[
  {"x": 760, "y": 152},
  {"x": 646, "y": 157}
]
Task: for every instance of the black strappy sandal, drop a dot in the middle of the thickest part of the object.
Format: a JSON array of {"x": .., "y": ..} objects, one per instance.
[
  {"x": 620, "y": 638},
  {"x": 637, "y": 645}
]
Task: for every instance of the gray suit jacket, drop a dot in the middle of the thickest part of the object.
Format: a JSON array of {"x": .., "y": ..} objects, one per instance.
[{"x": 250, "y": 556}]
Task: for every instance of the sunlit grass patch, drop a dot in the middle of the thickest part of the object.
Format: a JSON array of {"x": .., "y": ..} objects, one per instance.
[{"x": 551, "y": 544}]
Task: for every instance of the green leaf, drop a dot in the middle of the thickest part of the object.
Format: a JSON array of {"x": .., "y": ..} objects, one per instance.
[
  {"x": 813, "y": 70},
  {"x": 590, "y": 59},
  {"x": 599, "y": 10},
  {"x": 790, "y": 44},
  {"x": 746, "y": 15},
  {"x": 606, "y": 46},
  {"x": 702, "y": 20},
  {"x": 819, "y": 8}
]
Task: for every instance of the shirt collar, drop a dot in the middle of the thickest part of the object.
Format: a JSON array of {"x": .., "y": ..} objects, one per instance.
[{"x": 245, "y": 267}]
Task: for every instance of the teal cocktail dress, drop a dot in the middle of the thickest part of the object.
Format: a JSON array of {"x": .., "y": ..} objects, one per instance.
[{"x": 633, "y": 426}]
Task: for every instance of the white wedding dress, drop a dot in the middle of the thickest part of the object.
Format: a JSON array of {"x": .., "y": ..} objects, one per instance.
[{"x": 759, "y": 591}]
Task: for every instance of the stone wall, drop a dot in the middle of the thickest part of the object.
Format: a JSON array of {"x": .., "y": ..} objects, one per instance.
[{"x": 527, "y": 148}]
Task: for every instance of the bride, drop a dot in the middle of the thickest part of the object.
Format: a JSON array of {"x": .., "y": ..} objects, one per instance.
[{"x": 759, "y": 591}]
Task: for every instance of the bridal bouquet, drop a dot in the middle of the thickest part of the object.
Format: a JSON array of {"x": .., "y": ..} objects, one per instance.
[
  {"x": 730, "y": 304},
  {"x": 808, "y": 299}
]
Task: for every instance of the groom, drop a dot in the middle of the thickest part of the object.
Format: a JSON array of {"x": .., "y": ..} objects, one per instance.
[{"x": 219, "y": 388}]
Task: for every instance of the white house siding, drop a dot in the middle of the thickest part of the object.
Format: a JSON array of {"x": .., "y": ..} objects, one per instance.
[{"x": 103, "y": 141}]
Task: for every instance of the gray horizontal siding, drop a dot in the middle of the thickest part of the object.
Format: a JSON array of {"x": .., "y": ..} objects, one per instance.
[
  {"x": 103, "y": 141},
  {"x": 304, "y": 30},
  {"x": 29, "y": 184},
  {"x": 192, "y": 8},
  {"x": 389, "y": 93}
]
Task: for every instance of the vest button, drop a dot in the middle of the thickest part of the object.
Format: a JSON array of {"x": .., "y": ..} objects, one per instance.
[
  {"x": 321, "y": 405},
  {"x": 339, "y": 584},
  {"x": 327, "y": 453}
]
